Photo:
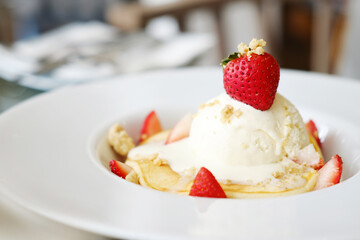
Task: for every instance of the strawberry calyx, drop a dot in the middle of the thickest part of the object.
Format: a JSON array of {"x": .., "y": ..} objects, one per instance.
[{"x": 231, "y": 57}]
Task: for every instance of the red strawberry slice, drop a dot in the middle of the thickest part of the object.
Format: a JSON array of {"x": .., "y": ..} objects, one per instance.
[
  {"x": 205, "y": 185},
  {"x": 150, "y": 126},
  {"x": 119, "y": 168},
  {"x": 252, "y": 80},
  {"x": 330, "y": 173},
  {"x": 313, "y": 131},
  {"x": 310, "y": 157},
  {"x": 181, "y": 130}
]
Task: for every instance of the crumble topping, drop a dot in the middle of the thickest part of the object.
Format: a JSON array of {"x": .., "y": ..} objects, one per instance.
[
  {"x": 238, "y": 113},
  {"x": 227, "y": 181},
  {"x": 255, "y": 46},
  {"x": 160, "y": 162},
  {"x": 292, "y": 176},
  {"x": 243, "y": 48},
  {"x": 278, "y": 174},
  {"x": 228, "y": 112},
  {"x": 120, "y": 140},
  {"x": 213, "y": 103}
]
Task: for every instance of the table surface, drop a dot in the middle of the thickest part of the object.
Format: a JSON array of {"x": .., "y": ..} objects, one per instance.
[{"x": 17, "y": 223}]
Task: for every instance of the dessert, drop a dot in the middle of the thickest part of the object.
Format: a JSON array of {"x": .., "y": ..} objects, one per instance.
[{"x": 249, "y": 142}]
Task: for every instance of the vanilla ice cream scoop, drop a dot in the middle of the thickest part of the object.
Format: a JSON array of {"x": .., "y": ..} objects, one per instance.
[
  {"x": 229, "y": 132},
  {"x": 236, "y": 142}
]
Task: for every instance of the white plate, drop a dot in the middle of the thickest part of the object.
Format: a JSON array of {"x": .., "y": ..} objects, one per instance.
[{"x": 49, "y": 163}]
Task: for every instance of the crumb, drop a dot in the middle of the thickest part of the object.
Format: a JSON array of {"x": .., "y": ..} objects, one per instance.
[
  {"x": 278, "y": 174},
  {"x": 255, "y": 46},
  {"x": 243, "y": 48},
  {"x": 226, "y": 114},
  {"x": 238, "y": 113},
  {"x": 258, "y": 51},
  {"x": 227, "y": 181},
  {"x": 210, "y": 104},
  {"x": 244, "y": 146},
  {"x": 202, "y": 106},
  {"x": 120, "y": 140},
  {"x": 160, "y": 162}
]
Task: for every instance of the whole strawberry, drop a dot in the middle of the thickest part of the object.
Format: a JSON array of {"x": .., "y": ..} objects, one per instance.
[{"x": 252, "y": 75}]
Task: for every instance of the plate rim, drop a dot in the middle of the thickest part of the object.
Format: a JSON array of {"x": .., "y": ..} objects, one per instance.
[{"x": 103, "y": 230}]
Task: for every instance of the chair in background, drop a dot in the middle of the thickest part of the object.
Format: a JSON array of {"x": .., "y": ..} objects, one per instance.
[
  {"x": 134, "y": 16},
  {"x": 6, "y": 25},
  {"x": 306, "y": 35}
]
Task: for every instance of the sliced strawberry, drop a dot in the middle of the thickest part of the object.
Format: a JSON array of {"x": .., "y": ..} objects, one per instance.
[
  {"x": 181, "y": 130},
  {"x": 310, "y": 157},
  {"x": 313, "y": 131},
  {"x": 330, "y": 173},
  {"x": 150, "y": 126},
  {"x": 119, "y": 168},
  {"x": 205, "y": 185}
]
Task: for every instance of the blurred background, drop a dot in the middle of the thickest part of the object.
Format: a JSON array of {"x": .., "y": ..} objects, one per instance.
[{"x": 45, "y": 44}]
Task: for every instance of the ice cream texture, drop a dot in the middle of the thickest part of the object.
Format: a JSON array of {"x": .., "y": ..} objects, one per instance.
[
  {"x": 228, "y": 131},
  {"x": 237, "y": 143}
]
